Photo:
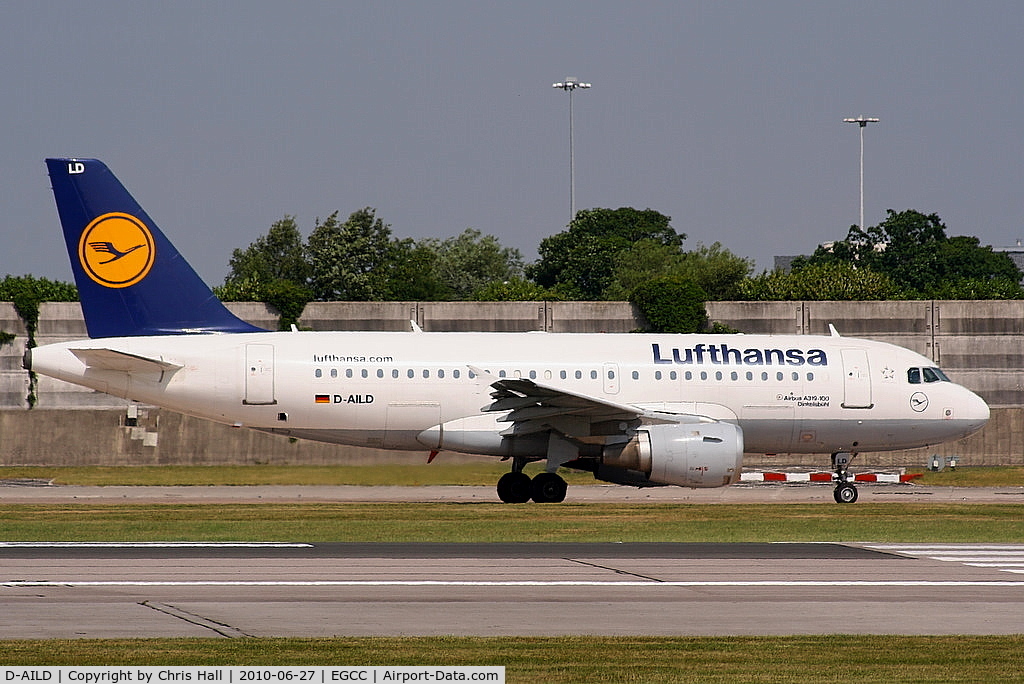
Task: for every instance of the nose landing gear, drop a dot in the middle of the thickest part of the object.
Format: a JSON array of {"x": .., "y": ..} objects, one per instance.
[{"x": 845, "y": 491}]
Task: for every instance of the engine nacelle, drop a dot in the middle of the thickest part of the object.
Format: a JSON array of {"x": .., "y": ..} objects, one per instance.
[{"x": 685, "y": 454}]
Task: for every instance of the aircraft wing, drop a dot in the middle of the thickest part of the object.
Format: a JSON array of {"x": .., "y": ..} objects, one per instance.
[
  {"x": 114, "y": 360},
  {"x": 537, "y": 407}
]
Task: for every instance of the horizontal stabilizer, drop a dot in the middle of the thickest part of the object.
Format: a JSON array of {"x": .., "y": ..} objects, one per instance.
[{"x": 111, "y": 359}]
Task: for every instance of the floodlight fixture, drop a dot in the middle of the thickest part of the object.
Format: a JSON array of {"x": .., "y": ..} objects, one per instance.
[
  {"x": 569, "y": 85},
  {"x": 862, "y": 122}
]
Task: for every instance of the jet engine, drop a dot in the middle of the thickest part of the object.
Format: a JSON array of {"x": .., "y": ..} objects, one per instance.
[{"x": 685, "y": 454}]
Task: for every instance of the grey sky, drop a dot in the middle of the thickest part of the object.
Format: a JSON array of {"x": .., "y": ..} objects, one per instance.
[{"x": 221, "y": 117}]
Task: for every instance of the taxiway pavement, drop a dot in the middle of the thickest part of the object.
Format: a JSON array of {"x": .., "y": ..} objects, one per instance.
[{"x": 105, "y": 590}]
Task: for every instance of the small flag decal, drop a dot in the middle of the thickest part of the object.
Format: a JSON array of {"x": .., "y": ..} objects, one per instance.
[{"x": 323, "y": 398}]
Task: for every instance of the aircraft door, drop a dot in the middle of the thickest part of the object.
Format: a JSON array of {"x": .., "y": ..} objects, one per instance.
[
  {"x": 856, "y": 379},
  {"x": 259, "y": 374}
]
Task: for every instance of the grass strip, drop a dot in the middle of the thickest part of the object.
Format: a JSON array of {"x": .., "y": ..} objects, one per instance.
[
  {"x": 583, "y": 658},
  {"x": 488, "y": 522}
]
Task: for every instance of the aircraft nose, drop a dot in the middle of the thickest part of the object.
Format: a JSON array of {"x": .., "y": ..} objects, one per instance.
[{"x": 974, "y": 411}]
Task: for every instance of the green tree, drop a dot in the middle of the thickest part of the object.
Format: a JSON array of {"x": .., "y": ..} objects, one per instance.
[
  {"x": 289, "y": 299},
  {"x": 716, "y": 270},
  {"x": 467, "y": 262},
  {"x": 913, "y": 250},
  {"x": 278, "y": 255},
  {"x": 820, "y": 282},
  {"x": 514, "y": 289},
  {"x": 412, "y": 274},
  {"x": 579, "y": 263},
  {"x": 28, "y": 292},
  {"x": 349, "y": 261},
  {"x": 671, "y": 304}
]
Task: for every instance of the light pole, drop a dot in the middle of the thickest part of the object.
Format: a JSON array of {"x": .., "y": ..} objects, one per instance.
[
  {"x": 862, "y": 122},
  {"x": 569, "y": 86}
]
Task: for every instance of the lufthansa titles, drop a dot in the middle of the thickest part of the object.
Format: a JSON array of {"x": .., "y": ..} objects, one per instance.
[{"x": 724, "y": 355}]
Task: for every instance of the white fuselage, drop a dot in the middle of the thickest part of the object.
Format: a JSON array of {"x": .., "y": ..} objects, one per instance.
[{"x": 802, "y": 394}]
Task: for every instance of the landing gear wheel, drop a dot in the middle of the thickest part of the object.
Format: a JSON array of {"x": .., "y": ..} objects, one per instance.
[
  {"x": 548, "y": 488},
  {"x": 514, "y": 488},
  {"x": 845, "y": 493}
]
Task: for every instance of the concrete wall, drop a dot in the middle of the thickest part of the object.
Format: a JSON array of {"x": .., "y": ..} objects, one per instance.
[
  {"x": 59, "y": 437},
  {"x": 13, "y": 380},
  {"x": 472, "y": 316}
]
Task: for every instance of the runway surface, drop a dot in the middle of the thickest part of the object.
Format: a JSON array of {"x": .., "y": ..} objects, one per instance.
[{"x": 104, "y": 590}]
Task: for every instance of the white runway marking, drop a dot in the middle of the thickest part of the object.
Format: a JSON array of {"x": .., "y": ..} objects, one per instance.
[
  {"x": 153, "y": 545},
  {"x": 1004, "y": 557}
]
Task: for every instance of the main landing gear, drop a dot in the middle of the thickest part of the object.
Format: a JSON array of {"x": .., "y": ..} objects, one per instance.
[
  {"x": 517, "y": 487},
  {"x": 845, "y": 491}
]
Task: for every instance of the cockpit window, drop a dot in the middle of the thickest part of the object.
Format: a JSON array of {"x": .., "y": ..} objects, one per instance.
[{"x": 932, "y": 374}]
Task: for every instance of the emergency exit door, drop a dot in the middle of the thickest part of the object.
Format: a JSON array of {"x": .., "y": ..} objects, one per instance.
[
  {"x": 259, "y": 374},
  {"x": 856, "y": 379}
]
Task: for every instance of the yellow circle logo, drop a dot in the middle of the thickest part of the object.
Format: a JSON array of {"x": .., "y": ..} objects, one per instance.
[{"x": 116, "y": 250}]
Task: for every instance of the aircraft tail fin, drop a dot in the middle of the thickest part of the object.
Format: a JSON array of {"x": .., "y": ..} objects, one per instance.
[{"x": 131, "y": 280}]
